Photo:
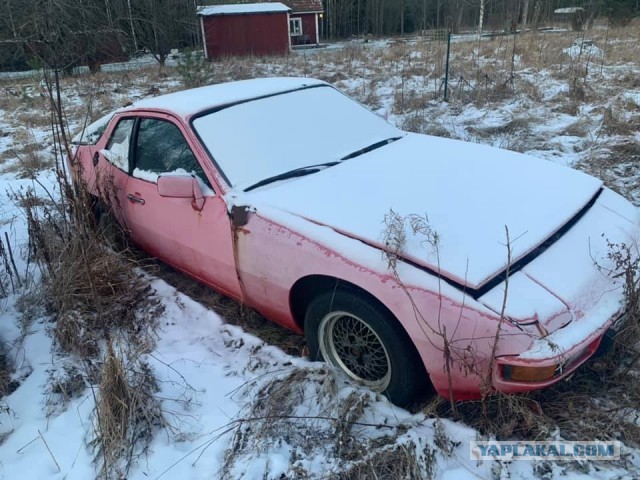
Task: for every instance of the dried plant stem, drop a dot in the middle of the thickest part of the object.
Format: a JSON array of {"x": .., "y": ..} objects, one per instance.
[
  {"x": 13, "y": 263},
  {"x": 49, "y": 450},
  {"x": 487, "y": 387}
]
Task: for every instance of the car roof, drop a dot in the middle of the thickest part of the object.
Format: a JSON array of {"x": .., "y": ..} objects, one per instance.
[{"x": 189, "y": 102}]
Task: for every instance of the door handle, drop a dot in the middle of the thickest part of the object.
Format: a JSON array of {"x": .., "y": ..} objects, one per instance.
[
  {"x": 135, "y": 199},
  {"x": 96, "y": 159}
]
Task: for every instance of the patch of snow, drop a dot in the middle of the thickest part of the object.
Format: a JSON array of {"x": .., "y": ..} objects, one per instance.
[
  {"x": 526, "y": 300},
  {"x": 118, "y": 155},
  {"x": 584, "y": 49},
  {"x": 147, "y": 175},
  {"x": 152, "y": 177}
]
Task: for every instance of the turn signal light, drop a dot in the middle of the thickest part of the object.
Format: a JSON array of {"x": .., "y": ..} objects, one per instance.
[{"x": 518, "y": 373}]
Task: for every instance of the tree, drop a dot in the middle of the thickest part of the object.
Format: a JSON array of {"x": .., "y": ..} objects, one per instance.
[
  {"x": 525, "y": 13},
  {"x": 161, "y": 25},
  {"x": 60, "y": 34},
  {"x": 620, "y": 12}
]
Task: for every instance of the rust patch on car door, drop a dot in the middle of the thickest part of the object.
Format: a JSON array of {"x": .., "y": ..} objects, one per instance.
[{"x": 239, "y": 218}]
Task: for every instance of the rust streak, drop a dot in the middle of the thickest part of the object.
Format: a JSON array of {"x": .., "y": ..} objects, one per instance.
[{"x": 239, "y": 218}]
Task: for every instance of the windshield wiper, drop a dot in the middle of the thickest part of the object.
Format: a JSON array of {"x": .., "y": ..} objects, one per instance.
[
  {"x": 302, "y": 171},
  {"x": 371, "y": 147},
  {"x": 297, "y": 172}
]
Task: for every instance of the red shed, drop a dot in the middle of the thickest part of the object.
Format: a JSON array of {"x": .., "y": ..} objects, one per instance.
[
  {"x": 304, "y": 20},
  {"x": 245, "y": 29}
]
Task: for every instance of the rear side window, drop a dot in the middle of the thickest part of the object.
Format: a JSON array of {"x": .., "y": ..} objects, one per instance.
[
  {"x": 161, "y": 148},
  {"x": 117, "y": 150}
]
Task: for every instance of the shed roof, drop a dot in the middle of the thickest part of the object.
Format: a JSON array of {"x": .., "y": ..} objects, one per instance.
[
  {"x": 568, "y": 10},
  {"x": 304, "y": 6},
  {"x": 243, "y": 9}
]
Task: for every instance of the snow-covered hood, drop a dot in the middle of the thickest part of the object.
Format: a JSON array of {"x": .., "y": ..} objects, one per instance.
[{"x": 469, "y": 193}]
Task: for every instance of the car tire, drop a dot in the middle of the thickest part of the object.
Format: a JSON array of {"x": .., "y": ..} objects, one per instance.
[
  {"x": 97, "y": 209},
  {"x": 354, "y": 334}
]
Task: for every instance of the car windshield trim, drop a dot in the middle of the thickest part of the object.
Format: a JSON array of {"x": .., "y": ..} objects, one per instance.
[{"x": 296, "y": 172}]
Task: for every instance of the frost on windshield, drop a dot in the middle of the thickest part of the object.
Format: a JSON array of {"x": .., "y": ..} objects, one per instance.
[{"x": 265, "y": 137}]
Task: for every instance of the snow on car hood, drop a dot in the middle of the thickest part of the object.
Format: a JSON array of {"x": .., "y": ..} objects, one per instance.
[{"x": 468, "y": 192}]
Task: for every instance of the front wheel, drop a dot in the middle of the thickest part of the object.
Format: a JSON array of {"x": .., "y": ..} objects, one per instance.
[{"x": 354, "y": 334}]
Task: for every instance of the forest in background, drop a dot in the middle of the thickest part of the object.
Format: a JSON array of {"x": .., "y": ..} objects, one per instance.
[{"x": 63, "y": 34}]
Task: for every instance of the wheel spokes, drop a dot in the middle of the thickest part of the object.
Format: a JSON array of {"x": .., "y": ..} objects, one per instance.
[{"x": 356, "y": 347}]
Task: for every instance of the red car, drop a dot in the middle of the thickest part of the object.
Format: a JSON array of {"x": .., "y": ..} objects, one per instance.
[{"x": 387, "y": 249}]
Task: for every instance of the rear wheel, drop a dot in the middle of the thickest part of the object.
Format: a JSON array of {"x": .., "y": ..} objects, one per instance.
[{"x": 351, "y": 332}]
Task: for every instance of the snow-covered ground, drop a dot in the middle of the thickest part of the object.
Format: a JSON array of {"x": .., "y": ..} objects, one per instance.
[{"x": 578, "y": 108}]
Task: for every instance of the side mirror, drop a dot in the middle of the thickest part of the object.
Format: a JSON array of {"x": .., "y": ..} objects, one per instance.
[{"x": 182, "y": 186}]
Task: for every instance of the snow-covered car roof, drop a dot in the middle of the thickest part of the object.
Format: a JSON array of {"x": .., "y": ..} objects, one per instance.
[{"x": 189, "y": 102}]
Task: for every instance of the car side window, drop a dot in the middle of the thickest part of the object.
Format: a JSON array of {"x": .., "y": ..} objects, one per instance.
[
  {"x": 117, "y": 149},
  {"x": 161, "y": 148}
]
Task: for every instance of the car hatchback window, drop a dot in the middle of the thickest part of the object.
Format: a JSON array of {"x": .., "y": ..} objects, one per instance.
[
  {"x": 161, "y": 148},
  {"x": 117, "y": 150}
]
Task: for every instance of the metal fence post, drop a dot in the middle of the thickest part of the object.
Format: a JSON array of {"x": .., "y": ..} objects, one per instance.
[{"x": 446, "y": 70}]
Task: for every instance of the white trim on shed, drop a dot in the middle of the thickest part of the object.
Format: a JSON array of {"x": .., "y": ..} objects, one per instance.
[{"x": 204, "y": 38}]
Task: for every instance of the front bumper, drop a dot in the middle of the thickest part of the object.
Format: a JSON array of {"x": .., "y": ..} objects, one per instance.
[{"x": 565, "y": 359}]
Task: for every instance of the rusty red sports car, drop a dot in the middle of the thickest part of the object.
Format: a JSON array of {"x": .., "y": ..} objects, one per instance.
[{"x": 407, "y": 261}]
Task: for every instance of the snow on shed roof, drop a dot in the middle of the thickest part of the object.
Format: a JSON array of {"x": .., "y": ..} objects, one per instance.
[
  {"x": 568, "y": 10},
  {"x": 304, "y": 6},
  {"x": 188, "y": 102},
  {"x": 243, "y": 9}
]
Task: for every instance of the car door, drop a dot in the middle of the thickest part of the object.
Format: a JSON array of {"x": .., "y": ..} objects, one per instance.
[
  {"x": 194, "y": 238},
  {"x": 111, "y": 167}
]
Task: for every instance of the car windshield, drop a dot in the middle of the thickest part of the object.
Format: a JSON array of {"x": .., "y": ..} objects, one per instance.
[{"x": 265, "y": 137}]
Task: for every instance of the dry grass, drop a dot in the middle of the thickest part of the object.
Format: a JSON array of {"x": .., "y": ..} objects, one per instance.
[
  {"x": 601, "y": 400},
  {"x": 95, "y": 297},
  {"x": 394, "y": 462},
  {"x": 34, "y": 118},
  {"x": 28, "y": 162},
  {"x": 96, "y": 291},
  {"x": 7, "y": 385},
  {"x": 618, "y": 119},
  {"x": 618, "y": 164},
  {"x": 409, "y": 101},
  {"x": 91, "y": 290},
  {"x": 514, "y": 126},
  {"x": 334, "y": 429},
  {"x": 126, "y": 415},
  {"x": 18, "y": 95},
  {"x": 579, "y": 128},
  {"x": 70, "y": 385},
  {"x": 590, "y": 405}
]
